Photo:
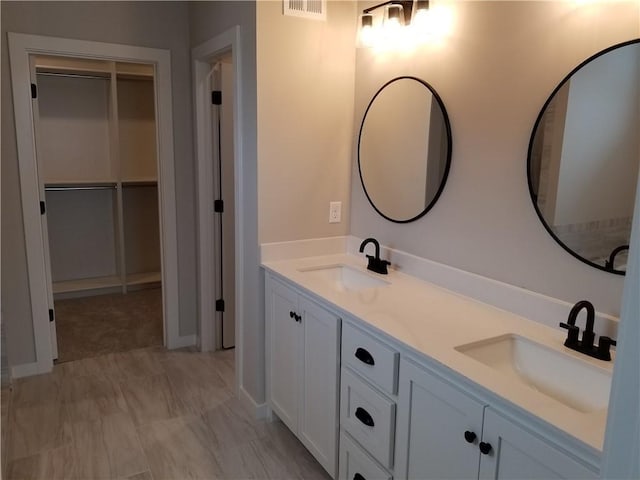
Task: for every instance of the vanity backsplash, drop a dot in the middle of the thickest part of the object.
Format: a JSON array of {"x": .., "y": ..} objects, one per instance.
[{"x": 520, "y": 301}]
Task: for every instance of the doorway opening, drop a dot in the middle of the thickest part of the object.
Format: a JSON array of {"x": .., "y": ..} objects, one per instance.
[
  {"x": 95, "y": 130},
  {"x": 121, "y": 195},
  {"x": 219, "y": 147},
  {"x": 223, "y": 192}
]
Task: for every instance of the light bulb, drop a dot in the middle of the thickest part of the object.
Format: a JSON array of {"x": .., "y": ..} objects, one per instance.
[
  {"x": 367, "y": 36},
  {"x": 393, "y": 27},
  {"x": 422, "y": 26}
]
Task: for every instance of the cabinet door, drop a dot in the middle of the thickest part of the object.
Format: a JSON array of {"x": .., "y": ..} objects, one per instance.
[
  {"x": 433, "y": 417},
  {"x": 318, "y": 424},
  {"x": 519, "y": 454},
  {"x": 284, "y": 366}
]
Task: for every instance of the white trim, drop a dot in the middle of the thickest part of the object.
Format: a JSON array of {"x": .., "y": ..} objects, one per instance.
[
  {"x": 260, "y": 410},
  {"x": 622, "y": 437},
  {"x": 20, "y": 47},
  {"x": 185, "y": 341},
  {"x": 29, "y": 187},
  {"x": 26, "y": 370},
  {"x": 313, "y": 247},
  {"x": 202, "y": 56}
]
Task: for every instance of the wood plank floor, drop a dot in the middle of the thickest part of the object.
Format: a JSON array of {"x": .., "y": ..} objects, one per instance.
[{"x": 148, "y": 414}]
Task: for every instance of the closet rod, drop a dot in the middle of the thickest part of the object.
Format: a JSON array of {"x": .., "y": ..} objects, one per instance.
[
  {"x": 74, "y": 75},
  {"x": 93, "y": 187}
]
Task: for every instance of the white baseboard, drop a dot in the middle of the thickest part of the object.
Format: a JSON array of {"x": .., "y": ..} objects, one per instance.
[
  {"x": 183, "y": 341},
  {"x": 29, "y": 369},
  {"x": 260, "y": 409},
  {"x": 38, "y": 368}
]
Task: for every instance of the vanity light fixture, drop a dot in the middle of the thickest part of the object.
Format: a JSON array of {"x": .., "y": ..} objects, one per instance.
[{"x": 397, "y": 18}]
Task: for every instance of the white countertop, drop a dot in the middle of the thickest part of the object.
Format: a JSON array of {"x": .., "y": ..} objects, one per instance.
[{"x": 433, "y": 321}]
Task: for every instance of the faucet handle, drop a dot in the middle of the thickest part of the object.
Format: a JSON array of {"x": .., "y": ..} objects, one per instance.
[
  {"x": 572, "y": 335},
  {"x": 603, "y": 348},
  {"x": 378, "y": 265}
]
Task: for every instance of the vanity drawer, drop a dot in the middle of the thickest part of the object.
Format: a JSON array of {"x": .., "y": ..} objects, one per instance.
[
  {"x": 356, "y": 464},
  {"x": 370, "y": 358},
  {"x": 368, "y": 416}
]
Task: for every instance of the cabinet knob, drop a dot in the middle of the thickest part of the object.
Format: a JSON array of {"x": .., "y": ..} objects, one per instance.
[
  {"x": 357, "y": 476},
  {"x": 485, "y": 448},
  {"x": 470, "y": 437},
  {"x": 364, "y": 417},
  {"x": 364, "y": 356},
  {"x": 291, "y": 314},
  {"x": 298, "y": 318}
]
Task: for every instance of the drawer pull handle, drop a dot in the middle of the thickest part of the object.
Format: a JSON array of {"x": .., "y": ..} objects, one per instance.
[
  {"x": 470, "y": 437},
  {"x": 357, "y": 476},
  {"x": 485, "y": 448},
  {"x": 364, "y": 417},
  {"x": 364, "y": 356}
]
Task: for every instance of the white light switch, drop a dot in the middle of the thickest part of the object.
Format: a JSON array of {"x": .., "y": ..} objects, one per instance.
[{"x": 335, "y": 212}]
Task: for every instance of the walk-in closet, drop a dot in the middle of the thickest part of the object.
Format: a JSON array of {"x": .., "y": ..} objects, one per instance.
[{"x": 97, "y": 164}]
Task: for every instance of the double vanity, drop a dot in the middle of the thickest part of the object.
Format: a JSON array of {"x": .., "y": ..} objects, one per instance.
[
  {"x": 390, "y": 376},
  {"x": 443, "y": 373}
]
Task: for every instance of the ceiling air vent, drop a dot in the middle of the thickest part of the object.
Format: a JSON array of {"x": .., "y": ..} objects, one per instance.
[{"x": 314, "y": 9}]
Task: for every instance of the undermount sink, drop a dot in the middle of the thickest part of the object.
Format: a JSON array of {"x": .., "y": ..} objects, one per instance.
[
  {"x": 343, "y": 277},
  {"x": 565, "y": 378}
]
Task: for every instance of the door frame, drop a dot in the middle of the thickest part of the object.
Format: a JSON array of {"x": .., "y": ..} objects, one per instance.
[
  {"x": 202, "y": 56},
  {"x": 21, "y": 46}
]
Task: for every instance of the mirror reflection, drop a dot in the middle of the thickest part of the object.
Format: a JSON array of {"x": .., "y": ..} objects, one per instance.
[
  {"x": 404, "y": 149},
  {"x": 584, "y": 157}
]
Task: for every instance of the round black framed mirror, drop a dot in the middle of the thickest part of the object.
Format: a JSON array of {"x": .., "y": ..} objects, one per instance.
[
  {"x": 404, "y": 149},
  {"x": 584, "y": 156}
]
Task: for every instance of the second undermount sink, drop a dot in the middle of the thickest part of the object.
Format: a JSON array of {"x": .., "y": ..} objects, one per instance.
[
  {"x": 343, "y": 277},
  {"x": 575, "y": 383}
]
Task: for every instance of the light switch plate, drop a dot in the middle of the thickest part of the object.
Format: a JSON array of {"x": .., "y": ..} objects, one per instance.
[{"x": 335, "y": 212}]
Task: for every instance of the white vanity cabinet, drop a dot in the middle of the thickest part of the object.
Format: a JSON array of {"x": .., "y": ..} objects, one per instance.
[
  {"x": 303, "y": 363},
  {"x": 407, "y": 409},
  {"x": 445, "y": 433}
]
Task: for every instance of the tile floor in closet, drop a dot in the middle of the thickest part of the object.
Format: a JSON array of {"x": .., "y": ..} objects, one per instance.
[{"x": 148, "y": 414}]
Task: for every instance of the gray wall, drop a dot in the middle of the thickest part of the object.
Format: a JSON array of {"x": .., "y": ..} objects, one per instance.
[
  {"x": 494, "y": 72},
  {"x": 149, "y": 24},
  {"x": 208, "y": 19}
]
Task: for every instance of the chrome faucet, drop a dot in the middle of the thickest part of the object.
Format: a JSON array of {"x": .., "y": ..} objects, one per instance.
[
  {"x": 586, "y": 345},
  {"x": 610, "y": 264},
  {"x": 376, "y": 264}
]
